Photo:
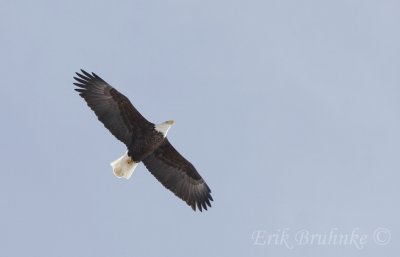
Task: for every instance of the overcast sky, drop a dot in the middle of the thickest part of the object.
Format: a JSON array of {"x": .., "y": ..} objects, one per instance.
[{"x": 288, "y": 109}]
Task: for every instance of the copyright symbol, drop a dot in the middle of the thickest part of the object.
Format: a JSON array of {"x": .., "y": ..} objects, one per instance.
[{"x": 382, "y": 236}]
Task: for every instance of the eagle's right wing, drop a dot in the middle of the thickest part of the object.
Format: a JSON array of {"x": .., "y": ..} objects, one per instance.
[{"x": 112, "y": 108}]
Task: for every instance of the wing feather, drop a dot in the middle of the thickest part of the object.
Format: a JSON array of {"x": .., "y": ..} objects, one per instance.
[
  {"x": 111, "y": 107},
  {"x": 179, "y": 175}
]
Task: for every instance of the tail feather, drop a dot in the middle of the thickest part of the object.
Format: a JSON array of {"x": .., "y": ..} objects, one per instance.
[{"x": 124, "y": 166}]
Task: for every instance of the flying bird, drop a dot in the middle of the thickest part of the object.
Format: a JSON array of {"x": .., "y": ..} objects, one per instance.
[{"x": 145, "y": 142}]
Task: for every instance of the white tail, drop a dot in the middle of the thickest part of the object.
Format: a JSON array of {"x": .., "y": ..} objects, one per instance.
[{"x": 124, "y": 166}]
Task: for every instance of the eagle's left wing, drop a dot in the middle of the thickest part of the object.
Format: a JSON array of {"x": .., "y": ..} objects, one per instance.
[{"x": 179, "y": 175}]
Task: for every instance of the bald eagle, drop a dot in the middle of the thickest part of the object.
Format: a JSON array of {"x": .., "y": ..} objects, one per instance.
[{"x": 145, "y": 142}]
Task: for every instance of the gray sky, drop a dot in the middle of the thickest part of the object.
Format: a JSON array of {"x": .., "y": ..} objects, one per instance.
[{"x": 288, "y": 109}]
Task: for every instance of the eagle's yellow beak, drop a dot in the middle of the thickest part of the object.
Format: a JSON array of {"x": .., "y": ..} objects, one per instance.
[{"x": 170, "y": 122}]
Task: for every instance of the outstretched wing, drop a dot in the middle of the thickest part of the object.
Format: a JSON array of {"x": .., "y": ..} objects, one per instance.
[
  {"x": 112, "y": 108},
  {"x": 179, "y": 175}
]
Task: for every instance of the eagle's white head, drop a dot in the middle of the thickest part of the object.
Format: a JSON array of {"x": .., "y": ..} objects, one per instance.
[{"x": 164, "y": 127}]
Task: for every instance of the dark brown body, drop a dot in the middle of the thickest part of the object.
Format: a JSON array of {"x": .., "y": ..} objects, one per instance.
[{"x": 145, "y": 144}]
